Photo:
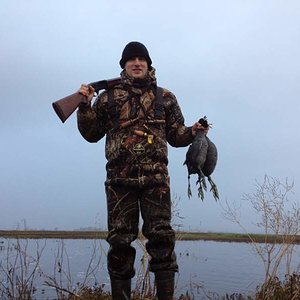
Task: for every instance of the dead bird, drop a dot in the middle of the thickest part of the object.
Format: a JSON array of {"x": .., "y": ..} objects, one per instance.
[
  {"x": 201, "y": 159},
  {"x": 210, "y": 165}
]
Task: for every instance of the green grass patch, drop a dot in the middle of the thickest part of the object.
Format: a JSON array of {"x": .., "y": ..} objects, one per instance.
[{"x": 184, "y": 236}]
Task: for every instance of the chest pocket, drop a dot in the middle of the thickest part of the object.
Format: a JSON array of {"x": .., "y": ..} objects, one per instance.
[{"x": 114, "y": 113}]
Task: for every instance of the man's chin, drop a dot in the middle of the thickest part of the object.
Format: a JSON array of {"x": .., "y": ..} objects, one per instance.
[{"x": 138, "y": 76}]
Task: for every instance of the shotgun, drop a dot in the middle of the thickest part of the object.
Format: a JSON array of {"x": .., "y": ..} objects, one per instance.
[{"x": 67, "y": 105}]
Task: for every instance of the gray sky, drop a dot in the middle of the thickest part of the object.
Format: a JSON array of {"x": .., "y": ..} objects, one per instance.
[{"x": 235, "y": 61}]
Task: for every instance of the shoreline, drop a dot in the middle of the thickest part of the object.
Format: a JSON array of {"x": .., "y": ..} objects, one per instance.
[{"x": 180, "y": 236}]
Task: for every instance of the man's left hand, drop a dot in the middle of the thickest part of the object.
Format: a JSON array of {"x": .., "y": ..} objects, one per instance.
[{"x": 197, "y": 126}]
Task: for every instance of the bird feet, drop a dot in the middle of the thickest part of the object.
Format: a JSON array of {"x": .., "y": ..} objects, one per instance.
[
  {"x": 202, "y": 186},
  {"x": 213, "y": 189},
  {"x": 189, "y": 188}
]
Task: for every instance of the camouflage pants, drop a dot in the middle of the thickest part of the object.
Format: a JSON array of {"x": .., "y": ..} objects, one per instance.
[{"x": 124, "y": 206}]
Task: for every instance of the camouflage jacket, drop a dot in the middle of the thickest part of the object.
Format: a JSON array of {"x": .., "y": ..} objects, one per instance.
[{"x": 136, "y": 138}]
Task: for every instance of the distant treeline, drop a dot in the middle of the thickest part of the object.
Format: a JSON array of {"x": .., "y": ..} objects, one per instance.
[{"x": 185, "y": 236}]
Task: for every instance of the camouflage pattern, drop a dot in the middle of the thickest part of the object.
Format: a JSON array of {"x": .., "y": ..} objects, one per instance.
[
  {"x": 124, "y": 205},
  {"x": 137, "y": 174}
]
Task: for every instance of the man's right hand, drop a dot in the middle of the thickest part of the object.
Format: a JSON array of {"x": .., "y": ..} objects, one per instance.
[{"x": 87, "y": 91}]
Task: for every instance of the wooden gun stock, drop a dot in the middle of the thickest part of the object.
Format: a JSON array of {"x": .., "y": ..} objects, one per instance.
[{"x": 67, "y": 105}]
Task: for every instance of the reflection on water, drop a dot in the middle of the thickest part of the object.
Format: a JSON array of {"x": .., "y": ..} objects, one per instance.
[{"x": 218, "y": 267}]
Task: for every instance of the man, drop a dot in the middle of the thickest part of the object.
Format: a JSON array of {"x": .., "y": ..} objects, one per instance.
[{"x": 138, "y": 119}]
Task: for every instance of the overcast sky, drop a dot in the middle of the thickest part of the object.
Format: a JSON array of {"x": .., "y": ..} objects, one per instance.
[{"x": 237, "y": 62}]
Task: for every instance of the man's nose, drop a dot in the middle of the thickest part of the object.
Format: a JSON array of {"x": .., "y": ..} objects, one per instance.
[{"x": 137, "y": 60}]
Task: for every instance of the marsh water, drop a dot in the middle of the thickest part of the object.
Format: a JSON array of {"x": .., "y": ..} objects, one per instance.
[{"x": 206, "y": 267}]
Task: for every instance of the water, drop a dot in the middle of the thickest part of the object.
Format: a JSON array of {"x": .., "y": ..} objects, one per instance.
[
  {"x": 220, "y": 267},
  {"x": 205, "y": 266}
]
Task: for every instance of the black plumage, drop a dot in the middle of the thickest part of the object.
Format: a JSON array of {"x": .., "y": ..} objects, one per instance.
[{"x": 201, "y": 159}]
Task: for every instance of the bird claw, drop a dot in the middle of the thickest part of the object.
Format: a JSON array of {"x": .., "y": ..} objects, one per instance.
[
  {"x": 189, "y": 188},
  {"x": 200, "y": 193},
  {"x": 214, "y": 188},
  {"x": 189, "y": 192},
  {"x": 202, "y": 185}
]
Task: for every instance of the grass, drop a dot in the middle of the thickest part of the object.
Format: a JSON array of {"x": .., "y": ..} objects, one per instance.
[
  {"x": 182, "y": 235},
  {"x": 274, "y": 289}
]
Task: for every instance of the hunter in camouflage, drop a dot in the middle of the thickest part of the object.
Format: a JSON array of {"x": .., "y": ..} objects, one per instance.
[{"x": 138, "y": 119}]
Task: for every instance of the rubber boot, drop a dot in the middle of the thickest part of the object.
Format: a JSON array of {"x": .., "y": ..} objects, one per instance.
[
  {"x": 165, "y": 285},
  {"x": 120, "y": 289}
]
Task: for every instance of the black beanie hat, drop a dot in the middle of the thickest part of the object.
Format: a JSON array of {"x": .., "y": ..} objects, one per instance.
[{"x": 135, "y": 49}]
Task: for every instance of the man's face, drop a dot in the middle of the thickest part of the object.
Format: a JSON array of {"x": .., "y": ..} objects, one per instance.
[{"x": 136, "y": 67}]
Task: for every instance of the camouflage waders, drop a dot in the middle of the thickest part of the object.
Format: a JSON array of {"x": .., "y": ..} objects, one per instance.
[{"x": 124, "y": 205}]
